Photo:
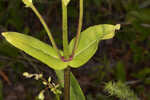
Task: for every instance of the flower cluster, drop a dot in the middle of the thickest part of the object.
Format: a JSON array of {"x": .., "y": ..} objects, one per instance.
[{"x": 47, "y": 82}]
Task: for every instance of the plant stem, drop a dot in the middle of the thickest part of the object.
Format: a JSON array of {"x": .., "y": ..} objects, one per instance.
[
  {"x": 79, "y": 28},
  {"x": 65, "y": 31},
  {"x": 57, "y": 97},
  {"x": 67, "y": 83},
  {"x": 66, "y": 52},
  {"x": 47, "y": 29}
]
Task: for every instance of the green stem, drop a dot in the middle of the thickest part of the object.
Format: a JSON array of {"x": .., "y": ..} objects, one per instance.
[
  {"x": 67, "y": 83},
  {"x": 46, "y": 28},
  {"x": 66, "y": 52},
  {"x": 65, "y": 30},
  {"x": 79, "y": 28},
  {"x": 57, "y": 97}
]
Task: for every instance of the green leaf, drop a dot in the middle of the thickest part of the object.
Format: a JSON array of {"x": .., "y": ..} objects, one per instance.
[
  {"x": 75, "y": 90},
  {"x": 36, "y": 48},
  {"x": 88, "y": 43}
]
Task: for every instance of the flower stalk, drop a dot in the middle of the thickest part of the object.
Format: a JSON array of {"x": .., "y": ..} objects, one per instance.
[
  {"x": 66, "y": 51},
  {"x": 79, "y": 28},
  {"x": 29, "y": 3}
]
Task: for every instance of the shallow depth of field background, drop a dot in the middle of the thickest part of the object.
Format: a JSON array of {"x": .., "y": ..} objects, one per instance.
[{"x": 126, "y": 57}]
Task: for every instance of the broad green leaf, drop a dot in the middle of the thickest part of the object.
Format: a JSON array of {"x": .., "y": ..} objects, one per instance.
[
  {"x": 75, "y": 90},
  {"x": 88, "y": 43},
  {"x": 36, "y": 48},
  {"x": 66, "y": 2}
]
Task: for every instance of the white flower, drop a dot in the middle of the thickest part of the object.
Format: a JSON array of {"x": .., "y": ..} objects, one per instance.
[{"x": 41, "y": 95}]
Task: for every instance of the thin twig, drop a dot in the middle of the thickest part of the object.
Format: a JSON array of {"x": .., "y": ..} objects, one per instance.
[
  {"x": 4, "y": 76},
  {"x": 79, "y": 28},
  {"x": 47, "y": 29}
]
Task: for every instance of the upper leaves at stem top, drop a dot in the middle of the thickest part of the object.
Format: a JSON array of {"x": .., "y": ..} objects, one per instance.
[
  {"x": 87, "y": 47},
  {"x": 28, "y": 3}
]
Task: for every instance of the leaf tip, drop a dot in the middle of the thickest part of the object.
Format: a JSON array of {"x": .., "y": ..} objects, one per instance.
[
  {"x": 4, "y": 33},
  {"x": 117, "y": 26}
]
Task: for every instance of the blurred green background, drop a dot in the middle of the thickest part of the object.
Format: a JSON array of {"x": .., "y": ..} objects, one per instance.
[{"x": 126, "y": 57}]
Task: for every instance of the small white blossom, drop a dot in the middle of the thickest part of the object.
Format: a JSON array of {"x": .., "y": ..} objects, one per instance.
[
  {"x": 49, "y": 79},
  {"x": 38, "y": 76},
  {"x": 41, "y": 95},
  {"x": 27, "y": 75},
  {"x": 45, "y": 83}
]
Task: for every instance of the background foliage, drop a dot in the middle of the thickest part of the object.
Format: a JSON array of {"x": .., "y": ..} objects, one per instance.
[{"x": 124, "y": 58}]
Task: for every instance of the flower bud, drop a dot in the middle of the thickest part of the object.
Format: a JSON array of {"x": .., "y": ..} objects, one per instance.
[{"x": 28, "y": 3}]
